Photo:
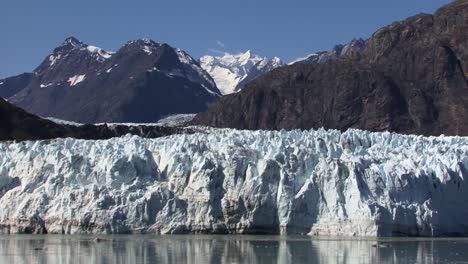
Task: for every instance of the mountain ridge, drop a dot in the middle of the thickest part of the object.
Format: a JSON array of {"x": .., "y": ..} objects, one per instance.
[
  {"x": 409, "y": 78},
  {"x": 141, "y": 82},
  {"x": 19, "y": 125},
  {"x": 350, "y": 49}
]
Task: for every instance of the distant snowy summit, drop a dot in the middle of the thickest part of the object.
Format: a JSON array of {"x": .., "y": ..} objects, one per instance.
[
  {"x": 232, "y": 71},
  {"x": 141, "y": 82}
]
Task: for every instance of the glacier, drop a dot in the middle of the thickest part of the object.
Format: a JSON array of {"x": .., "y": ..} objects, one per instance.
[{"x": 316, "y": 182}]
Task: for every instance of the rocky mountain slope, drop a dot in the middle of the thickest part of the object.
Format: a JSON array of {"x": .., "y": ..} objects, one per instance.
[
  {"x": 12, "y": 85},
  {"x": 17, "y": 124},
  {"x": 321, "y": 182},
  {"x": 232, "y": 72},
  {"x": 141, "y": 82},
  {"x": 349, "y": 50},
  {"x": 410, "y": 77}
]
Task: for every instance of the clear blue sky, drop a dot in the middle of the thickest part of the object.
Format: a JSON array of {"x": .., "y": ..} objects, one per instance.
[{"x": 30, "y": 29}]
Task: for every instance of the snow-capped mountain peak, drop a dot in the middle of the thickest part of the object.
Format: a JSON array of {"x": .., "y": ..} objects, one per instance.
[
  {"x": 143, "y": 42},
  {"x": 232, "y": 71},
  {"x": 72, "y": 44},
  {"x": 246, "y": 57},
  {"x": 142, "y": 74}
]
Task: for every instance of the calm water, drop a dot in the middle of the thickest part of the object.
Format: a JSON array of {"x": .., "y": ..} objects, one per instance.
[{"x": 198, "y": 249}]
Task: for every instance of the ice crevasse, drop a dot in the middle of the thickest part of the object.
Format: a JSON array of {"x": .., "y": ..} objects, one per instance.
[{"x": 317, "y": 182}]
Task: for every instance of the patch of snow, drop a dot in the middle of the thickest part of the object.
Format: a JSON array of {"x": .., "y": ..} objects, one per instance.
[
  {"x": 63, "y": 122},
  {"x": 2, "y": 82},
  {"x": 102, "y": 54},
  {"x": 184, "y": 57},
  {"x": 98, "y": 53},
  {"x": 155, "y": 69},
  {"x": 302, "y": 58},
  {"x": 226, "y": 79},
  {"x": 109, "y": 70},
  {"x": 75, "y": 43},
  {"x": 355, "y": 183},
  {"x": 76, "y": 79},
  {"x": 129, "y": 124},
  {"x": 176, "y": 119},
  {"x": 46, "y": 85},
  {"x": 147, "y": 50},
  {"x": 341, "y": 50},
  {"x": 53, "y": 59}
]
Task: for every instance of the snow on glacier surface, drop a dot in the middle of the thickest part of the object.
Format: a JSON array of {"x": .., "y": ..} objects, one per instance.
[{"x": 299, "y": 182}]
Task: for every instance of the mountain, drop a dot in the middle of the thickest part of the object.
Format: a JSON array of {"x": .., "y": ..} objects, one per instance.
[
  {"x": 232, "y": 71},
  {"x": 313, "y": 182},
  {"x": 141, "y": 82},
  {"x": 17, "y": 124},
  {"x": 350, "y": 49},
  {"x": 410, "y": 77},
  {"x": 12, "y": 85}
]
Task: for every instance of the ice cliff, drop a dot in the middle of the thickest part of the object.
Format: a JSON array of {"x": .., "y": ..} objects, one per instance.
[{"x": 316, "y": 182}]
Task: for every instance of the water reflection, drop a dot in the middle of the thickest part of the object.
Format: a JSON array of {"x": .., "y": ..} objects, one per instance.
[{"x": 226, "y": 249}]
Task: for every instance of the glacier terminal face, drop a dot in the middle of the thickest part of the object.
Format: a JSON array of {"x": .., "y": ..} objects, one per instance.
[{"x": 316, "y": 182}]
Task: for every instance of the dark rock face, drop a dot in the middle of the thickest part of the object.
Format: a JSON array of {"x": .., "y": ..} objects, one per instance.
[
  {"x": 17, "y": 124},
  {"x": 141, "y": 82},
  {"x": 410, "y": 77},
  {"x": 12, "y": 85}
]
